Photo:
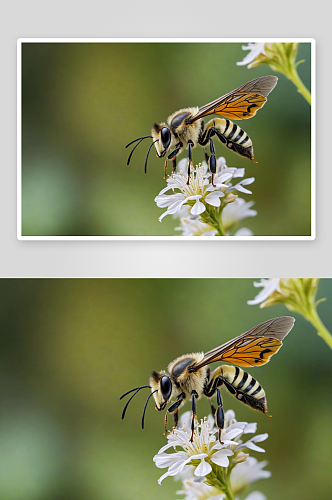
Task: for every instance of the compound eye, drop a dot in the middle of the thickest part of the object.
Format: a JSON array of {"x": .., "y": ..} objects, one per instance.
[
  {"x": 165, "y": 137},
  {"x": 166, "y": 387}
]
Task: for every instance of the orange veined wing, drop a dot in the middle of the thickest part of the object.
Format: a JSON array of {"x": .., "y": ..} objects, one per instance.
[
  {"x": 252, "y": 348},
  {"x": 241, "y": 103}
]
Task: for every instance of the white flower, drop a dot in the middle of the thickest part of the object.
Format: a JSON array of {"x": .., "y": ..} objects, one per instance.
[
  {"x": 248, "y": 472},
  {"x": 200, "y": 189},
  {"x": 255, "y": 495},
  {"x": 240, "y": 186},
  {"x": 251, "y": 443},
  {"x": 197, "y": 490},
  {"x": 237, "y": 211},
  {"x": 193, "y": 227},
  {"x": 202, "y": 448},
  {"x": 243, "y": 231},
  {"x": 270, "y": 286},
  {"x": 255, "y": 50}
]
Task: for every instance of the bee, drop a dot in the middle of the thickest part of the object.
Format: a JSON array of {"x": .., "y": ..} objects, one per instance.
[
  {"x": 189, "y": 377},
  {"x": 186, "y": 128}
]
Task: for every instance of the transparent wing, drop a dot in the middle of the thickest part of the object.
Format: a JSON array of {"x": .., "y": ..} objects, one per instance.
[{"x": 252, "y": 348}]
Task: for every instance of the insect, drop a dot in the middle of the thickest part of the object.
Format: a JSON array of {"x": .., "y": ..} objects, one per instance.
[
  {"x": 189, "y": 377},
  {"x": 186, "y": 128}
]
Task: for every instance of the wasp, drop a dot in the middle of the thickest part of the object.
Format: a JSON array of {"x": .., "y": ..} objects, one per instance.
[
  {"x": 189, "y": 377},
  {"x": 186, "y": 128}
]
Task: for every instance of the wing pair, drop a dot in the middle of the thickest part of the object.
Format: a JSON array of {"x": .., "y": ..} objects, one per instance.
[
  {"x": 252, "y": 348},
  {"x": 241, "y": 103}
]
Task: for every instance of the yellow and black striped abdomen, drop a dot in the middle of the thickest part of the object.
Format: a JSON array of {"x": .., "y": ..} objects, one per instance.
[
  {"x": 230, "y": 134},
  {"x": 242, "y": 381}
]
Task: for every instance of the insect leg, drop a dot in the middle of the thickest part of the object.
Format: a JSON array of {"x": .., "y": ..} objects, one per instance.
[
  {"x": 220, "y": 417},
  {"x": 176, "y": 418},
  {"x": 212, "y": 160},
  {"x": 190, "y": 159},
  {"x": 174, "y": 408},
  {"x": 175, "y": 151},
  {"x": 194, "y": 395},
  {"x": 174, "y": 165},
  {"x": 244, "y": 387},
  {"x": 165, "y": 168},
  {"x": 212, "y": 407},
  {"x": 206, "y": 156}
]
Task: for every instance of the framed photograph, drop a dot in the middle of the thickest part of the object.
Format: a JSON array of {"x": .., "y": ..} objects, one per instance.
[
  {"x": 166, "y": 139},
  {"x": 81, "y": 360}
]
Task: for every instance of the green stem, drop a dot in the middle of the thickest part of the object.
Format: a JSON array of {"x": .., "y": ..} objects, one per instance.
[
  {"x": 223, "y": 481},
  {"x": 228, "y": 492},
  {"x": 322, "y": 331},
  {"x": 301, "y": 88},
  {"x": 212, "y": 216},
  {"x": 220, "y": 229}
]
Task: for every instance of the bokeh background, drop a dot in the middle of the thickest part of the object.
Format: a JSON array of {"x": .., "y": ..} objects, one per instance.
[
  {"x": 83, "y": 102},
  {"x": 72, "y": 347}
]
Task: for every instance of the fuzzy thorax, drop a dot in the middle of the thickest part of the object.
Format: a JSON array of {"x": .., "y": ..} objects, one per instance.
[
  {"x": 180, "y": 131},
  {"x": 182, "y": 380}
]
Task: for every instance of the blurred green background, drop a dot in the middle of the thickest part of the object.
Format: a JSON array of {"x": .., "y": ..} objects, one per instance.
[
  {"x": 83, "y": 102},
  {"x": 72, "y": 347}
]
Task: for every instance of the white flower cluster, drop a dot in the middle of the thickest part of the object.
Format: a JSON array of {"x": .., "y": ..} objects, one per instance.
[
  {"x": 195, "y": 462},
  {"x": 255, "y": 50},
  {"x": 269, "y": 287},
  {"x": 191, "y": 202}
]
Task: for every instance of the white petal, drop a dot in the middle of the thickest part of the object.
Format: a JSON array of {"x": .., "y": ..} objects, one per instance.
[
  {"x": 198, "y": 457},
  {"x": 250, "y": 428},
  {"x": 223, "y": 177},
  {"x": 255, "y": 495},
  {"x": 198, "y": 208},
  {"x": 168, "y": 199},
  {"x": 169, "y": 445},
  {"x": 243, "y": 231},
  {"x": 162, "y": 477},
  {"x": 259, "y": 438},
  {"x": 221, "y": 163},
  {"x": 241, "y": 189},
  {"x": 194, "y": 197},
  {"x": 229, "y": 415},
  {"x": 168, "y": 459},
  {"x": 221, "y": 457},
  {"x": 203, "y": 469},
  {"x": 245, "y": 182},
  {"x": 255, "y": 50},
  {"x": 178, "y": 467},
  {"x": 167, "y": 188},
  {"x": 214, "y": 198},
  {"x": 176, "y": 206},
  {"x": 251, "y": 446},
  {"x": 236, "y": 425},
  {"x": 210, "y": 233},
  {"x": 239, "y": 172},
  {"x": 163, "y": 215},
  {"x": 232, "y": 433},
  {"x": 182, "y": 165}
]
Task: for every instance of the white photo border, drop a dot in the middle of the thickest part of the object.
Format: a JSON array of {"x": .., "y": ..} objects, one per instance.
[{"x": 20, "y": 41}]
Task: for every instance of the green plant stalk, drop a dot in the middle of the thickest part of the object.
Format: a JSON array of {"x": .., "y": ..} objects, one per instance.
[
  {"x": 322, "y": 331},
  {"x": 224, "y": 481},
  {"x": 308, "y": 308},
  {"x": 301, "y": 88},
  {"x": 212, "y": 216},
  {"x": 228, "y": 493}
]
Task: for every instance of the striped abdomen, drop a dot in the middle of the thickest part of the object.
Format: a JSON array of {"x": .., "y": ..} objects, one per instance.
[
  {"x": 230, "y": 134},
  {"x": 245, "y": 387}
]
